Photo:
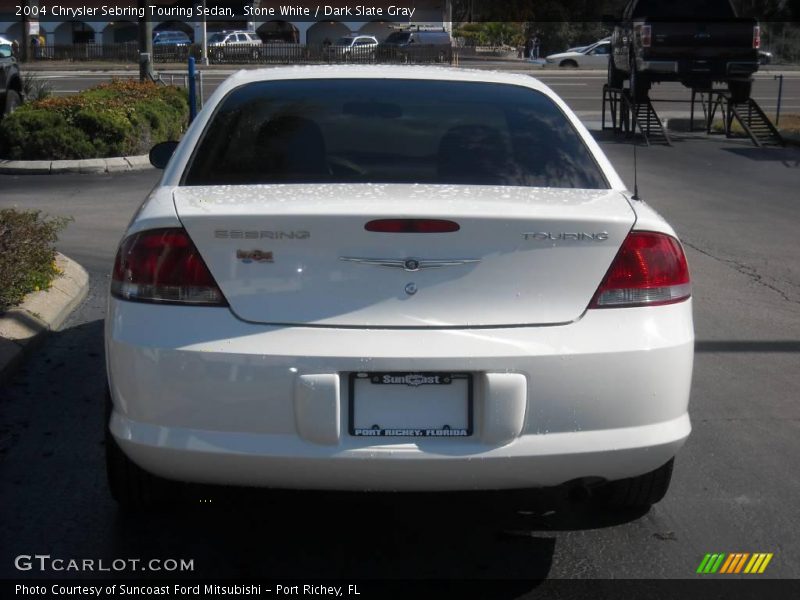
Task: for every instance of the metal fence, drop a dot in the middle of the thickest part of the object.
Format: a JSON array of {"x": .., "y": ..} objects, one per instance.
[{"x": 266, "y": 54}]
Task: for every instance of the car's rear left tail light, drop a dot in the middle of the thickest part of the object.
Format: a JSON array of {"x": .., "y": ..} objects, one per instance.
[
  {"x": 756, "y": 37},
  {"x": 650, "y": 269},
  {"x": 646, "y": 35},
  {"x": 163, "y": 266}
]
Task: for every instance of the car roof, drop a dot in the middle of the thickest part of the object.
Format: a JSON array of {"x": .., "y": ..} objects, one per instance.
[{"x": 380, "y": 72}]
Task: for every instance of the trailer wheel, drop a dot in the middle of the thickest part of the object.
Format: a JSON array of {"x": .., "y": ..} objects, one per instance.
[{"x": 740, "y": 91}]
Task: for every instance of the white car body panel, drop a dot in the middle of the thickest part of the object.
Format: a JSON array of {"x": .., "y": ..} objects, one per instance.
[{"x": 200, "y": 394}]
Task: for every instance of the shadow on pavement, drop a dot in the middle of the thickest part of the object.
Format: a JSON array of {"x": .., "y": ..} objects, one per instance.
[{"x": 790, "y": 157}]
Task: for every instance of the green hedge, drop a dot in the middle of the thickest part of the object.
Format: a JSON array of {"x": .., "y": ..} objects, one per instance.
[
  {"x": 27, "y": 253},
  {"x": 120, "y": 118}
]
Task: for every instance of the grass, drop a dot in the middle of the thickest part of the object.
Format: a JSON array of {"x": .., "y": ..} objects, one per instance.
[
  {"x": 27, "y": 253},
  {"x": 788, "y": 124}
]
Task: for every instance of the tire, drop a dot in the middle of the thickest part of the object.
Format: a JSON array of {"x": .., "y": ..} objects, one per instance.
[
  {"x": 637, "y": 492},
  {"x": 13, "y": 100},
  {"x": 568, "y": 64},
  {"x": 640, "y": 84},
  {"x": 131, "y": 486},
  {"x": 615, "y": 76},
  {"x": 740, "y": 91}
]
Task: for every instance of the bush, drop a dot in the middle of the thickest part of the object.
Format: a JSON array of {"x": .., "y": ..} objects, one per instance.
[
  {"x": 112, "y": 119},
  {"x": 27, "y": 253},
  {"x": 35, "y": 88}
]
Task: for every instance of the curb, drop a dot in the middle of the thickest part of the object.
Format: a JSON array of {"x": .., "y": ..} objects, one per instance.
[
  {"x": 24, "y": 327},
  {"x": 87, "y": 165}
]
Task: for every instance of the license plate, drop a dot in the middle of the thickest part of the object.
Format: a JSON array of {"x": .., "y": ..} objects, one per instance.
[{"x": 410, "y": 404}]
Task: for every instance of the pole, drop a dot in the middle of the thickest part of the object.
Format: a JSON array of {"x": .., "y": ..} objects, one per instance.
[
  {"x": 204, "y": 37},
  {"x": 25, "y": 43},
  {"x": 780, "y": 94},
  {"x": 145, "y": 43},
  {"x": 192, "y": 92}
]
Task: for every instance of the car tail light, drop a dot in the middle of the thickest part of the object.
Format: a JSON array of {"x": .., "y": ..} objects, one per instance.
[
  {"x": 756, "y": 37},
  {"x": 650, "y": 269},
  {"x": 646, "y": 36},
  {"x": 164, "y": 266},
  {"x": 412, "y": 226}
]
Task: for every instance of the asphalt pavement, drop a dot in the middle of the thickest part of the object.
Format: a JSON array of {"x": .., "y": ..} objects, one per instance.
[{"x": 735, "y": 487}]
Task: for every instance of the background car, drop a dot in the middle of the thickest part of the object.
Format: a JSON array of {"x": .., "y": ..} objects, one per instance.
[
  {"x": 232, "y": 45},
  {"x": 171, "y": 38},
  {"x": 408, "y": 279},
  {"x": 353, "y": 47},
  {"x": 696, "y": 43},
  {"x": 10, "y": 79},
  {"x": 587, "y": 57},
  {"x": 417, "y": 46}
]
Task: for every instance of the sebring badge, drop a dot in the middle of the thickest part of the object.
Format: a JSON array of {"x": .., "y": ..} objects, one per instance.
[{"x": 251, "y": 256}]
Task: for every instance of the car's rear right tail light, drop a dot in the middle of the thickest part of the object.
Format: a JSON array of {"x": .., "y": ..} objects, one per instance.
[
  {"x": 163, "y": 266},
  {"x": 646, "y": 34},
  {"x": 756, "y": 37},
  {"x": 650, "y": 269}
]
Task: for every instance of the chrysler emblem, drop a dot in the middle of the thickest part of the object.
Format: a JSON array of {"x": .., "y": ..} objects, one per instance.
[{"x": 411, "y": 265}]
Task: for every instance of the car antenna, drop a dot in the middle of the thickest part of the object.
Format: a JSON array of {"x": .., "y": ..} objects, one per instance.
[{"x": 635, "y": 164}]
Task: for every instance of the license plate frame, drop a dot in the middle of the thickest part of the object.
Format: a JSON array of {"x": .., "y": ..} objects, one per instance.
[{"x": 425, "y": 433}]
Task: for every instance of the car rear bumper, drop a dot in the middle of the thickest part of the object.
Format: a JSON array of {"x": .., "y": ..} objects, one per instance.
[
  {"x": 709, "y": 70},
  {"x": 287, "y": 461},
  {"x": 201, "y": 396}
]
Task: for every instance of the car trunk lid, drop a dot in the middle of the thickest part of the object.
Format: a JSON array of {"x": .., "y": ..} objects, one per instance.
[{"x": 301, "y": 254}]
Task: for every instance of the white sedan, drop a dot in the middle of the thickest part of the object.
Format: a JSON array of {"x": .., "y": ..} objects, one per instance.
[
  {"x": 588, "y": 57},
  {"x": 395, "y": 278}
]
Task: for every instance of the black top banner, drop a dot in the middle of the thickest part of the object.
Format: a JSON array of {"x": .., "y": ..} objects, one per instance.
[{"x": 399, "y": 11}]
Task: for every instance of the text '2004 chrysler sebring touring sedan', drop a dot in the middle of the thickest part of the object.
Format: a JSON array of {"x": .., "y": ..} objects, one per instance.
[{"x": 395, "y": 278}]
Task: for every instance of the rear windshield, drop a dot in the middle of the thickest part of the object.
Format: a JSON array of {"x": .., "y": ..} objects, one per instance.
[
  {"x": 391, "y": 131},
  {"x": 684, "y": 9}
]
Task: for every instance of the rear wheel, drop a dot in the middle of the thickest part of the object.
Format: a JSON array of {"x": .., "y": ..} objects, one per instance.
[
  {"x": 615, "y": 76},
  {"x": 640, "y": 85},
  {"x": 13, "y": 100},
  {"x": 740, "y": 91},
  {"x": 637, "y": 492},
  {"x": 131, "y": 486}
]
